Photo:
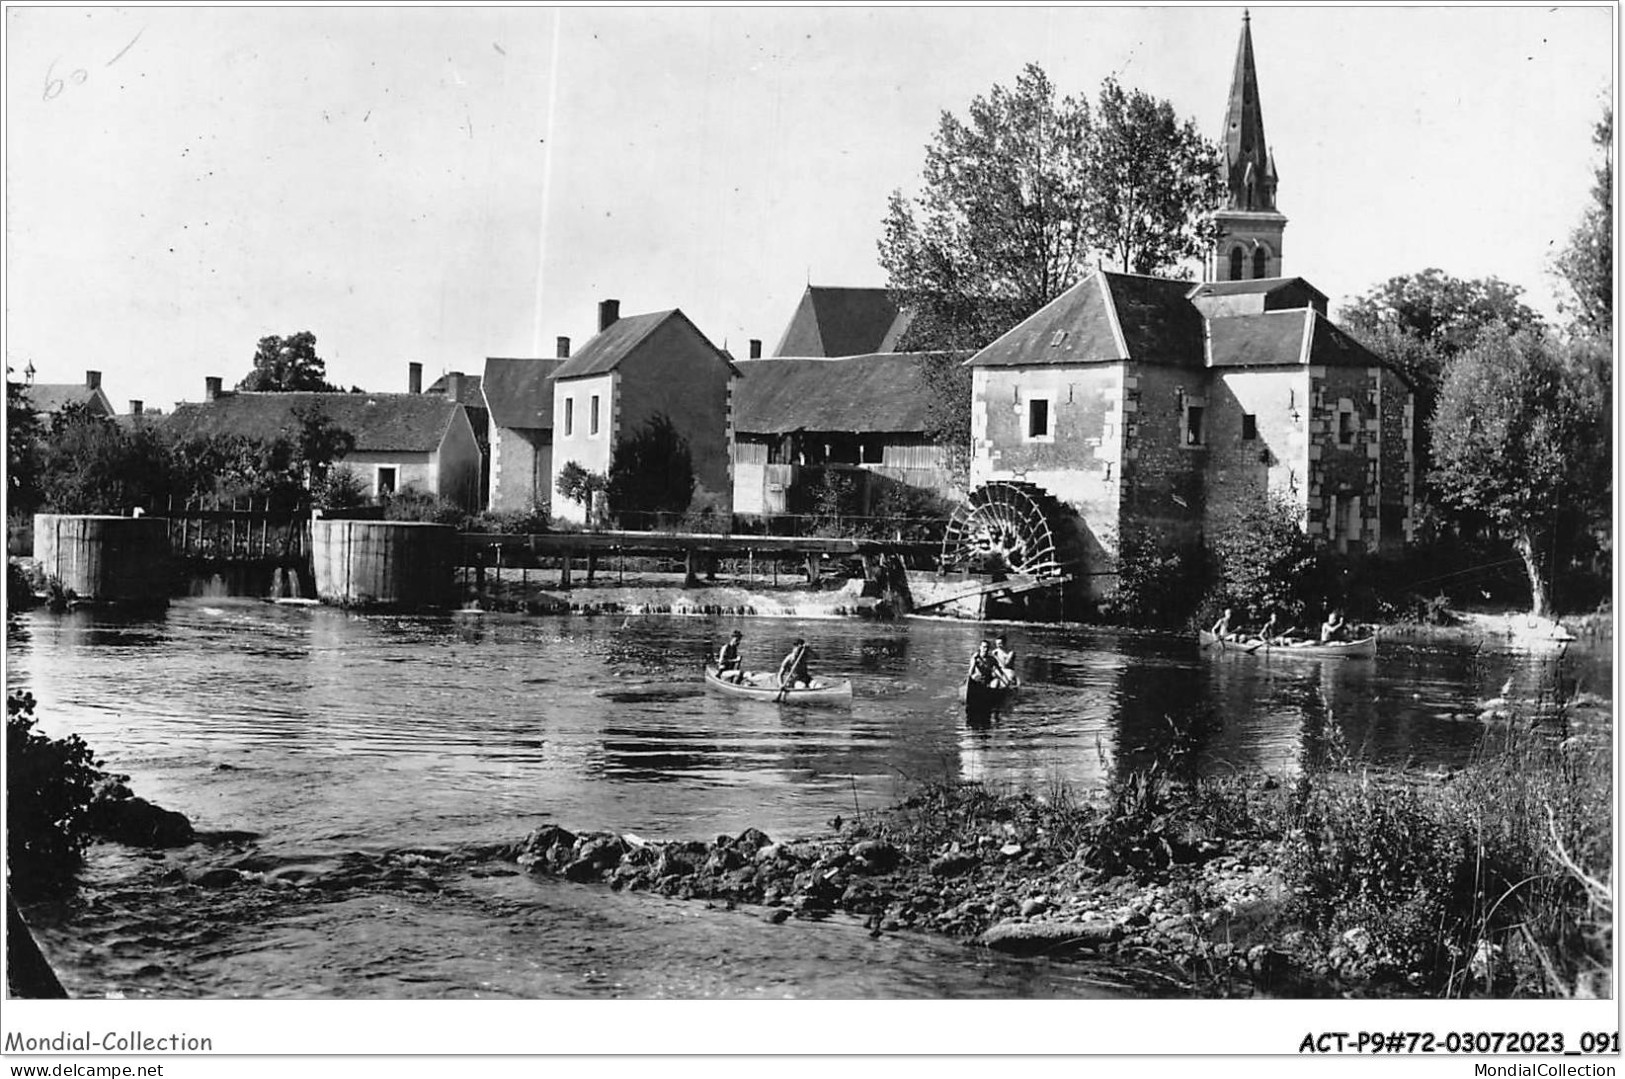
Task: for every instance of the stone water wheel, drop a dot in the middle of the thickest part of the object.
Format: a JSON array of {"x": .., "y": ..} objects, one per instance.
[{"x": 1007, "y": 527}]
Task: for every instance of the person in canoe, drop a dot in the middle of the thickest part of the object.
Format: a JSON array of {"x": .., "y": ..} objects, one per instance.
[
  {"x": 794, "y": 671},
  {"x": 1006, "y": 660},
  {"x": 1334, "y": 628},
  {"x": 1266, "y": 632},
  {"x": 1221, "y": 628},
  {"x": 984, "y": 667},
  {"x": 729, "y": 666}
]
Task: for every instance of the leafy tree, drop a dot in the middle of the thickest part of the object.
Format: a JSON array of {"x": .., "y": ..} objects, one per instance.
[
  {"x": 341, "y": 489},
  {"x": 1000, "y": 227},
  {"x": 1445, "y": 312},
  {"x": 286, "y": 364},
  {"x": 1587, "y": 264},
  {"x": 1263, "y": 561},
  {"x": 653, "y": 470},
  {"x": 24, "y": 432},
  {"x": 50, "y": 784},
  {"x": 1152, "y": 183},
  {"x": 579, "y": 485},
  {"x": 318, "y": 442},
  {"x": 1522, "y": 436},
  {"x": 89, "y": 464}
]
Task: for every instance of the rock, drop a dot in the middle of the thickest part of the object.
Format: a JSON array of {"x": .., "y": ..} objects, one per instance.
[
  {"x": 549, "y": 845},
  {"x": 137, "y": 822},
  {"x": 952, "y": 865},
  {"x": 875, "y": 855},
  {"x": 753, "y": 839},
  {"x": 777, "y": 916},
  {"x": 213, "y": 878},
  {"x": 1027, "y": 938},
  {"x": 1033, "y": 907}
]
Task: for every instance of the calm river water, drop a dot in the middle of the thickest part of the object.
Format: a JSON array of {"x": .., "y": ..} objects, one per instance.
[{"x": 357, "y": 750}]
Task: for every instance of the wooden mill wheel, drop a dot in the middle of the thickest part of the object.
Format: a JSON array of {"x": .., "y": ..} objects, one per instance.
[{"x": 1005, "y": 528}]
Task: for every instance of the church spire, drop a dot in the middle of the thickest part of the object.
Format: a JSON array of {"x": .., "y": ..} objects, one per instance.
[
  {"x": 1250, "y": 227},
  {"x": 1249, "y": 168}
]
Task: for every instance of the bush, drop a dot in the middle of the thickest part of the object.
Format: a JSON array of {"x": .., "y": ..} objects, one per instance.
[
  {"x": 415, "y": 504},
  {"x": 511, "y": 522},
  {"x": 1157, "y": 585},
  {"x": 1262, "y": 561},
  {"x": 50, "y": 784},
  {"x": 343, "y": 489}
]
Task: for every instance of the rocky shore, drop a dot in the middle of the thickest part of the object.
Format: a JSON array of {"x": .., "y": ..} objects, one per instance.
[{"x": 1196, "y": 910}]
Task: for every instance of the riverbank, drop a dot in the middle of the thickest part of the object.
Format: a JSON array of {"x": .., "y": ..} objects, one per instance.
[{"x": 1349, "y": 881}]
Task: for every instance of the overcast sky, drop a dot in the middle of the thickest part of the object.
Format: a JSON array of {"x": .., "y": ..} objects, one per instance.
[{"x": 443, "y": 185}]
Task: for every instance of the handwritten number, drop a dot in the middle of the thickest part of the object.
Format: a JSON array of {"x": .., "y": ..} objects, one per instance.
[{"x": 53, "y": 87}]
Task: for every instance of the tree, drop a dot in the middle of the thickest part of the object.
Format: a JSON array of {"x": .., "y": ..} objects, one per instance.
[
  {"x": 1522, "y": 436},
  {"x": 1419, "y": 322},
  {"x": 652, "y": 471},
  {"x": 1587, "y": 264},
  {"x": 317, "y": 443},
  {"x": 287, "y": 364},
  {"x": 24, "y": 432},
  {"x": 1263, "y": 561},
  {"x": 1152, "y": 182},
  {"x": 1000, "y": 227},
  {"x": 89, "y": 464},
  {"x": 579, "y": 485}
]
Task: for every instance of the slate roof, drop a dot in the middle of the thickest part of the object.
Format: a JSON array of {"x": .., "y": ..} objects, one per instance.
[
  {"x": 1278, "y": 337},
  {"x": 49, "y": 397},
  {"x": 519, "y": 391},
  {"x": 882, "y": 392},
  {"x": 1268, "y": 339},
  {"x": 842, "y": 322},
  {"x": 381, "y": 422},
  {"x": 1265, "y": 285},
  {"x": 469, "y": 395},
  {"x": 1104, "y": 318}
]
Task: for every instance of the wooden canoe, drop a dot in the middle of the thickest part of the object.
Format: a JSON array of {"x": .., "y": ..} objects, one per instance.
[
  {"x": 1362, "y": 648},
  {"x": 762, "y": 686},
  {"x": 983, "y": 700}
]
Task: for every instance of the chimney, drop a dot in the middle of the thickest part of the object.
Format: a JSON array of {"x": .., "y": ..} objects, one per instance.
[
  {"x": 93, "y": 380},
  {"x": 755, "y": 349},
  {"x": 564, "y": 348},
  {"x": 414, "y": 378},
  {"x": 609, "y": 312},
  {"x": 454, "y": 385},
  {"x": 135, "y": 407},
  {"x": 211, "y": 388}
]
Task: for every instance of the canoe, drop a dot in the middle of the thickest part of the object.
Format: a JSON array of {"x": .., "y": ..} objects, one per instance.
[
  {"x": 984, "y": 700},
  {"x": 762, "y": 686},
  {"x": 1364, "y": 647}
]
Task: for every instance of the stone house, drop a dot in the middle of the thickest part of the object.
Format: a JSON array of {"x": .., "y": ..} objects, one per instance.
[
  {"x": 866, "y": 414},
  {"x": 1152, "y": 408},
  {"x": 402, "y": 440},
  {"x": 519, "y": 396},
  {"x": 633, "y": 369},
  {"x": 49, "y": 398}
]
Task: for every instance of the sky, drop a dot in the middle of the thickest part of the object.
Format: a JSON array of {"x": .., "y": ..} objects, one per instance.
[{"x": 441, "y": 185}]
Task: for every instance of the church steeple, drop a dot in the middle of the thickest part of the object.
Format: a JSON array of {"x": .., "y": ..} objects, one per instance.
[
  {"x": 1250, "y": 168},
  {"x": 1250, "y": 244}
]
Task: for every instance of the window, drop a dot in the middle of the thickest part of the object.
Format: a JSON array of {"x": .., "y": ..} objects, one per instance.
[
  {"x": 1038, "y": 418},
  {"x": 1260, "y": 262},
  {"x": 1193, "y": 425},
  {"x": 592, "y": 420},
  {"x": 1235, "y": 264},
  {"x": 1345, "y": 427},
  {"x": 569, "y": 416},
  {"x": 386, "y": 481},
  {"x": 874, "y": 452},
  {"x": 1249, "y": 427}
]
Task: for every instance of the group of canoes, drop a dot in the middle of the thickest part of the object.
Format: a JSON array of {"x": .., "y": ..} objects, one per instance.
[
  {"x": 1337, "y": 637},
  {"x": 991, "y": 680}
]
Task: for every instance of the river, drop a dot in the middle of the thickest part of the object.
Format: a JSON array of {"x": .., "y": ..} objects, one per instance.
[{"x": 335, "y": 760}]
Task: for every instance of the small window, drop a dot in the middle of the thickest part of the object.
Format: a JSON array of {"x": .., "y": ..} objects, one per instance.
[
  {"x": 1038, "y": 418},
  {"x": 1345, "y": 428},
  {"x": 1235, "y": 263},
  {"x": 1057, "y": 339},
  {"x": 592, "y": 421},
  {"x": 874, "y": 452},
  {"x": 1249, "y": 427},
  {"x": 386, "y": 481},
  {"x": 1193, "y": 425},
  {"x": 1260, "y": 262},
  {"x": 569, "y": 416}
]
